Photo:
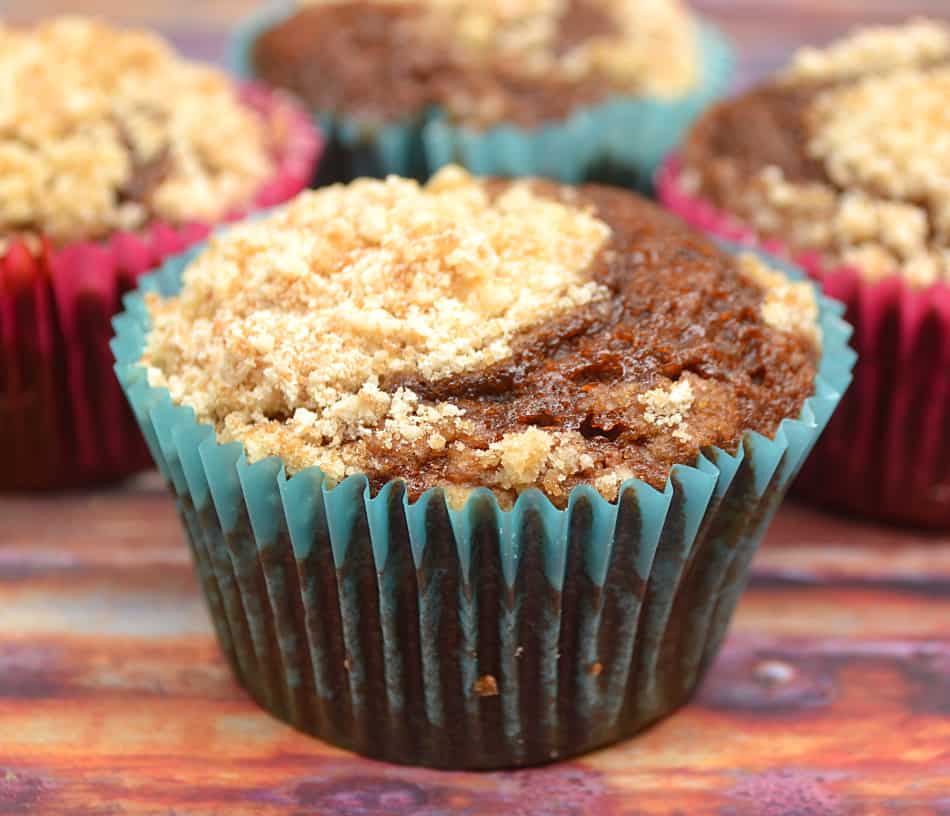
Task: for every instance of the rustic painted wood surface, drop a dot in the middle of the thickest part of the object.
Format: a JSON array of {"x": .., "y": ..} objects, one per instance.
[{"x": 832, "y": 695}]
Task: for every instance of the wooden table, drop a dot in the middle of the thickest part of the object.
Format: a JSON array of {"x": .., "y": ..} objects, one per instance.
[{"x": 832, "y": 694}]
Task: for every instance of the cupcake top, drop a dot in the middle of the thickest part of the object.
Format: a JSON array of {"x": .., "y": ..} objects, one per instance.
[
  {"x": 102, "y": 130},
  {"x": 473, "y": 333},
  {"x": 524, "y": 61},
  {"x": 846, "y": 153}
]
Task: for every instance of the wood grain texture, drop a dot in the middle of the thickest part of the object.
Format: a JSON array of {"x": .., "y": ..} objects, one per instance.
[{"x": 831, "y": 696}]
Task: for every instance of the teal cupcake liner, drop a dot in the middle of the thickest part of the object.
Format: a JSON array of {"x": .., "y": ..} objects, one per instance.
[
  {"x": 477, "y": 637},
  {"x": 622, "y": 141}
]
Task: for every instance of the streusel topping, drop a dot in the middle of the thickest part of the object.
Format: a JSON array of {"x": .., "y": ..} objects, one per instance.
[
  {"x": 479, "y": 333},
  {"x": 519, "y": 61},
  {"x": 787, "y": 306},
  {"x": 307, "y": 313},
  {"x": 645, "y": 46},
  {"x": 102, "y": 129},
  {"x": 868, "y": 182},
  {"x": 872, "y": 50}
]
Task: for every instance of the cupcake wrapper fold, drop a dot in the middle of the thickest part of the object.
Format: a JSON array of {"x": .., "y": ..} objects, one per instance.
[
  {"x": 623, "y": 140},
  {"x": 62, "y": 414},
  {"x": 474, "y": 637},
  {"x": 886, "y": 453}
]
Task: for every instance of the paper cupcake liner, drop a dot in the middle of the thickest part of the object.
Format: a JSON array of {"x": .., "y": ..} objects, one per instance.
[
  {"x": 622, "y": 141},
  {"x": 62, "y": 415},
  {"x": 475, "y": 637},
  {"x": 886, "y": 453}
]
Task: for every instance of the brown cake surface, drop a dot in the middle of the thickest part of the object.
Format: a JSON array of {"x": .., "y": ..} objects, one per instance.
[
  {"x": 482, "y": 333},
  {"x": 520, "y": 61},
  {"x": 846, "y": 153},
  {"x": 104, "y": 130}
]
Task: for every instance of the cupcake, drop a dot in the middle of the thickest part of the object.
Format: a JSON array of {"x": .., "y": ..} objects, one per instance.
[
  {"x": 842, "y": 162},
  {"x": 472, "y": 472},
  {"x": 114, "y": 154},
  {"x": 568, "y": 89}
]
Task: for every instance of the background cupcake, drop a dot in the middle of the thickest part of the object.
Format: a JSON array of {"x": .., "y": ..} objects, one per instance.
[
  {"x": 843, "y": 161},
  {"x": 114, "y": 154},
  {"x": 472, "y": 473},
  {"x": 569, "y": 90}
]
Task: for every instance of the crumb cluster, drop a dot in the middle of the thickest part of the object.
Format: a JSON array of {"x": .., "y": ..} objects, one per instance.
[
  {"x": 886, "y": 140},
  {"x": 668, "y": 407},
  {"x": 316, "y": 333},
  {"x": 787, "y": 306},
  {"x": 102, "y": 129},
  {"x": 872, "y": 50},
  {"x": 877, "y": 125}
]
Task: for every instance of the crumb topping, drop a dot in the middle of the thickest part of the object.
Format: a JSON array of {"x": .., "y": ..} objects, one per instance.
[
  {"x": 875, "y": 128},
  {"x": 871, "y": 50},
  {"x": 787, "y": 306},
  {"x": 305, "y": 314},
  {"x": 643, "y": 45},
  {"x": 476, "y": 334},
  {"x": 887, "y": 139},
  {"x": 102, "y": 129},
  {"x": 667, "y": 408},
  {"x": 515, "y": 61}
]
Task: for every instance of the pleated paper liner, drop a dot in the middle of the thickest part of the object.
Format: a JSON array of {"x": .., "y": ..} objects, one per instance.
[
  {"x": 472, "y": 638},
  {"x": 621, "y": 141},
  {"x": 63, "y": 417},
  {"x": 886, "y": 453}
]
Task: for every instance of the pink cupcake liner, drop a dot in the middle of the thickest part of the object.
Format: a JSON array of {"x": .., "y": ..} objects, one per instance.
[
  {"x": 886, "y": 452},
  {"x": 62, "y": 413}
]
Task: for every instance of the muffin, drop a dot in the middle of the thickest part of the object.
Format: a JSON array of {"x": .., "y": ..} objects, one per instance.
[
  {"x": 473, "y": 471},
  {"x": 114, "y": 154},
  {"x": 842, "y": 161},
  {"x": 569, "y": 89}
]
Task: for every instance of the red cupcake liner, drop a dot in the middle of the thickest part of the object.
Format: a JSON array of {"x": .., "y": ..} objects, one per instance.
[
  {"x": 886, "y": 452},
  {"x": 63, "y": 416}
]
